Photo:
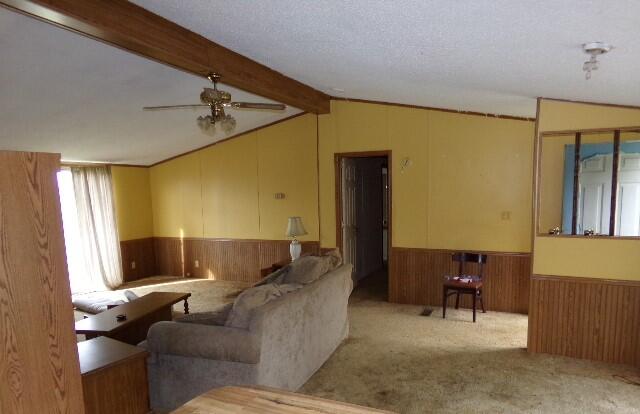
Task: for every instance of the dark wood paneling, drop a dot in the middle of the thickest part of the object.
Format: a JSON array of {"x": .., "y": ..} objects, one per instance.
[
  {"x": 232, "y": 260},
  {"x": 169, "y": 256},
  {"x": 586, "y": 318},
  {"x": 39, "y": 370},
  {"x": 221, "y": 259},
  {"x": 140, "y": 251},
  {"x": 133, "y": 28},
  {"x": 416, "y": 275}
]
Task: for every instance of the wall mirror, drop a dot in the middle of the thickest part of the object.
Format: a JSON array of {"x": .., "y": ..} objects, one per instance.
[{"x": 589, "y": 183}]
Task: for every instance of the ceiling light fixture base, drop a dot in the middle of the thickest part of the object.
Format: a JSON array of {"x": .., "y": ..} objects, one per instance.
[{"x": 594, "y": 49}]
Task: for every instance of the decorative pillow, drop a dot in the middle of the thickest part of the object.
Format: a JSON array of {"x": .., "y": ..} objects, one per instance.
[
  {"x": 100, "y": 301},
  {"x": 275, "y": 277},
  {"x": 335, "y": 257},
  {"x": 216, "y": 317},
  {"x": 93, "y": 304},
  {"x": 253, "y": 298},
  {"x": 307, "y": 269}
]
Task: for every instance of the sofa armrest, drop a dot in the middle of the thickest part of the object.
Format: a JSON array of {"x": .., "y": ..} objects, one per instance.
[{"x": 203, "y": 341}]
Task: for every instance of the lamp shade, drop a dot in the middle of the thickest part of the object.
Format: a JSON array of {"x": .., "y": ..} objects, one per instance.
[{"x": 295, "y": 227}]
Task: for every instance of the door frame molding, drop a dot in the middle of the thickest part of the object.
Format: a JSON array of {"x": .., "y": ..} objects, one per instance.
[{"x": 338, "y": 156}]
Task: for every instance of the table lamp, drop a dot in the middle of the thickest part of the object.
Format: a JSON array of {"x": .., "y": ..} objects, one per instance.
[{"x": 295, "y": 228}]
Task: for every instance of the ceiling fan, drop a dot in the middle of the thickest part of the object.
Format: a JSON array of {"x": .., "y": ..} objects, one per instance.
[{"x": 216, "y": 100}]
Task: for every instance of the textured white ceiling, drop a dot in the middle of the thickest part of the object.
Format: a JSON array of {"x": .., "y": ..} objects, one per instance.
[
  {"x": 61, "y": 92},
  {"x": 482, "y": 55}
]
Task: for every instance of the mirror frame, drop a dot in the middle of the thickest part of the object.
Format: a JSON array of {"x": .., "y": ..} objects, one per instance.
[{"x": 578, "y": 133}]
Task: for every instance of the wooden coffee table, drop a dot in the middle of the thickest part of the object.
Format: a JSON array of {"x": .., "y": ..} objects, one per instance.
[
  {"x": 261, "y": 400},
  {"x": 140, "y": 315}
]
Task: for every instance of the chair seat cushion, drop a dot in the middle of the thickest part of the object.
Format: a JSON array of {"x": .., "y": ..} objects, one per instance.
[{"x": 463, "y": 282}]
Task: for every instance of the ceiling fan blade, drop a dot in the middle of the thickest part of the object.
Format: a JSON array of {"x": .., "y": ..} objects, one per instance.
[
  {"x": 255, "y": 105},
  {"x": 160, "y": 108}
]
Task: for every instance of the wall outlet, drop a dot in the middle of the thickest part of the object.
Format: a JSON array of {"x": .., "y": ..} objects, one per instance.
[
  {"x": 505, "y": 215},
  {"x": 197, "y": 264},
  {"x": 133, "y": 264}
]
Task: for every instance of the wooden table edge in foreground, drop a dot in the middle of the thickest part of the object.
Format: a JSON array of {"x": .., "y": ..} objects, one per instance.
[{"x": 264, "y": 400}]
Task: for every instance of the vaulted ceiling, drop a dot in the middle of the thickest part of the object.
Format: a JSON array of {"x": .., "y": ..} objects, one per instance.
[
  {"x": 492, "y": 56},
  {"x": 62, "y": 92}
]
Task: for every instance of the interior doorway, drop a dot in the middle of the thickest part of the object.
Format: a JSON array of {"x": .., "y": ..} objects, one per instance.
[{"x": 363, "y": 216}]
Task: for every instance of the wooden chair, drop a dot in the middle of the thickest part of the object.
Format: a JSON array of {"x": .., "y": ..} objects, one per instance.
[{"x": 453, "y": 285}]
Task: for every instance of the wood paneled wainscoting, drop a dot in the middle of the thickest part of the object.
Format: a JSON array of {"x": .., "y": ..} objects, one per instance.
[
  {"x": 416, "y": 275},
  {"x": 221, "y": 259},
  {"x": 594, "y": 319},
  {"x": 140, "y": 252}
]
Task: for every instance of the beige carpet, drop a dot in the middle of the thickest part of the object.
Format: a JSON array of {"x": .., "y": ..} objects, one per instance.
[
  {"x": 396, "y": 359},
  {"x": 206, "y": 294}
]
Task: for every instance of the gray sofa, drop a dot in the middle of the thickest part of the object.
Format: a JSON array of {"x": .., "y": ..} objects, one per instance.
[{"x": 287, "y": 340}]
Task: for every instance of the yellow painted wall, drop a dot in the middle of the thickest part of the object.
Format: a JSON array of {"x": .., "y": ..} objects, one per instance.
[
  {"x": 288, "y": 163},
  {"x": 132, "y": 199},
  {"x": 176, "y": 197},
  {"x": 596, "y": 258},
  {"x": 228, "y": 190},
  {"x": 465, "y": 171},
  {"x": 563, "y": 116},
  {"x": 582, "y": 257}
]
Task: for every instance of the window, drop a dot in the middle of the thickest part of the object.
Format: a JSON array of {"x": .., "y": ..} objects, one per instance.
[
  {"x": 79, "y": 277},
  {"x": 590, "y": 183}
]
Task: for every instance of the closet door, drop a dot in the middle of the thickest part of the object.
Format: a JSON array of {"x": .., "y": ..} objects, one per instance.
[{"x": 39, "y": 369}]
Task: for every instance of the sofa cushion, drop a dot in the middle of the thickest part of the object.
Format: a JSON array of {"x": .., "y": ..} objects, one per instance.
[
  {"x": 100, "y": 301},
  {"x": 253, "y": 298},
  {"x": 202, "y": 341},
  {"x": 95, "y": 303},
  {"x": 216, "y": 317},
  {"x": 131, "y": 296}
]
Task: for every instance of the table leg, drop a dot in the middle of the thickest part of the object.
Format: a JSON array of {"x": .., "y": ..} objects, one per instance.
[
  {"x": 475, "y": 296},
  {"x": 444, "y": 302},
  {"x": 186, "y": 307}
]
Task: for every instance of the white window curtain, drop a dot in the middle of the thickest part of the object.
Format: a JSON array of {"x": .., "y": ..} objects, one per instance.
[{"x": 97, "y": 223}]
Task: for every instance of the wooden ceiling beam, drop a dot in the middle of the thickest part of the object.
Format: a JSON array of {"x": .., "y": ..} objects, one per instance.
[{"x": 133, "y": 28}]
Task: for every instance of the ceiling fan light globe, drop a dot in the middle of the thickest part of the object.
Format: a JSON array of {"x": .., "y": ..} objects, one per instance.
[{"x": 228, "y": 124}]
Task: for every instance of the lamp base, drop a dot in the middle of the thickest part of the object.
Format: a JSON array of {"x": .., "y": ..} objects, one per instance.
[{"x": 295, "y": 248}]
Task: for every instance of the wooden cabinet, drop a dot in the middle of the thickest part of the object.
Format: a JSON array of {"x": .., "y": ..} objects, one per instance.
[
  {"x": 114, "y": 377},
  {"x": 39, "y": 369}
]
